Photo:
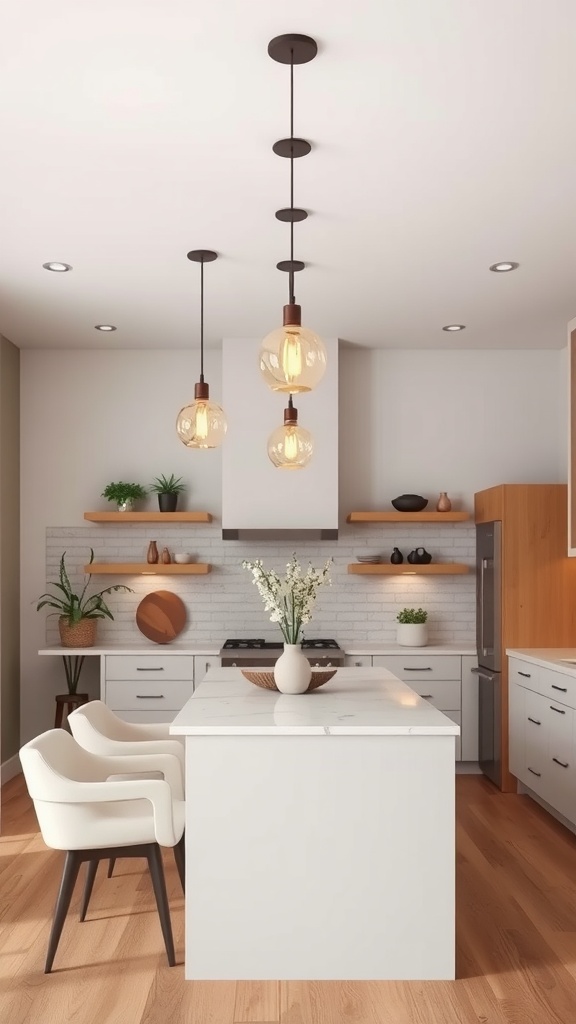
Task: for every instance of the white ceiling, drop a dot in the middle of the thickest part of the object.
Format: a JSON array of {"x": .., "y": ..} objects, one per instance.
[{"x": 134, "y": 130}]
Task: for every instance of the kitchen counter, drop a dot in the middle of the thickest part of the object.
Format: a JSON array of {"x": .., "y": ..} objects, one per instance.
[
  {"x": 321, "y": 831},
  {"x": 138, "y": 649},
  {"x": 357, "y": 647},
  {"x": 547, "y": 657},
  {"x": 363, "y": 701}
]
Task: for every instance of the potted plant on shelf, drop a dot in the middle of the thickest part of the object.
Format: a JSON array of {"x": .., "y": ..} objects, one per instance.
[
  {"x": 412, "y": 629},
  {"x": 167, "y": 489},
  {"x": 78, "y": 613},
  {"x": 124, "y": 494}
]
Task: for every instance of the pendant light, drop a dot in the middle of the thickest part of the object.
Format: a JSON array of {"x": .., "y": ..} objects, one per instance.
[
  {"x": 292, "y": 357},
  {"x": 202, "y": 424},
  {"x": 290, "y": 446}
]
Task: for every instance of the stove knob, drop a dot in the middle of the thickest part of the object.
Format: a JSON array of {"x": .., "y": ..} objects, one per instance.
[
  {"x": 316, "y": 664},
  {"x": 329, "y": 665},
  {"x": 234, "y": 664}
]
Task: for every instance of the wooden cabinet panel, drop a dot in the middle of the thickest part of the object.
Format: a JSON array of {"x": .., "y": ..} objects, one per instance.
[{"x": 572, "y": 441}]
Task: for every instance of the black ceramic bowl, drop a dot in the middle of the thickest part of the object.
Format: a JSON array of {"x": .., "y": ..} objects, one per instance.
[{"x": 409, "y": 503}]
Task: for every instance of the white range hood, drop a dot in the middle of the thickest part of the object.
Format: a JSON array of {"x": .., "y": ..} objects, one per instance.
[{"x": 255, "y": 495}]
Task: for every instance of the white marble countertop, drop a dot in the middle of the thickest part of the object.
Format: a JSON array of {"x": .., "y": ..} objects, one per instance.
[
  {"x": 547, "y": 657},
  {"x": 140, "y": 648},
  {"x": 358, "y": 647},
  {"x": 356, "y": 701}
]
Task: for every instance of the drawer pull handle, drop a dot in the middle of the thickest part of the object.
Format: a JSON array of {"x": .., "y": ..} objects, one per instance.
[
  {"x": 150, "y": 696},
  {"x": 534, "y": 720},
  {"x": 427, "y": 696},
  {"x": 161, "y": 669},
  {"x": 526, "y": 675},
  {"x": 557, "y": 710},
  {"x": 561, "y": 763},
  {"x": 563, "y": 689},
  {"x": 425, "y": 668},
  {"x": 534, "y": 773}
]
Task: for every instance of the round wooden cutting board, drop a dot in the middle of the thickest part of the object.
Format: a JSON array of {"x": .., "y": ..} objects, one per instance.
[{"x": 161, "y": 616}]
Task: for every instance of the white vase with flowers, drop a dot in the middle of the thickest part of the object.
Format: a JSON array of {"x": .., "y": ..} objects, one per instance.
[{"x": 290, "y": 601}]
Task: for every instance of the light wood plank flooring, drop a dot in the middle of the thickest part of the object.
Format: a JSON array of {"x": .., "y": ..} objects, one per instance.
[{"x": 516, "y": 938}]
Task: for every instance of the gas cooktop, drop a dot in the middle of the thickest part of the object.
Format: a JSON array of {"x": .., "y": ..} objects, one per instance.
[{"x": 272, "y": 645}]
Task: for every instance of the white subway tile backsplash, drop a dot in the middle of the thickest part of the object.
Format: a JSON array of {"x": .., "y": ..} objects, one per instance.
[{"x": 225, "y": 603}]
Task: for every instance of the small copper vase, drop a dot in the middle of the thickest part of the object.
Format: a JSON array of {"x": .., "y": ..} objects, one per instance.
[
  {"x": 444, "y": 503},
  {"x": 166, "y": 559},
  {"x": 152, "y": 556}
]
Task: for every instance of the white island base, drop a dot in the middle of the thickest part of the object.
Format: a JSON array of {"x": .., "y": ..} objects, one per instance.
[{"x": 319, "y": 831}]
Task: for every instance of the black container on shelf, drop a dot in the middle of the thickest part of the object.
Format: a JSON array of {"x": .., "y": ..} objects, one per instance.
[{"x": 409, "y": 503}]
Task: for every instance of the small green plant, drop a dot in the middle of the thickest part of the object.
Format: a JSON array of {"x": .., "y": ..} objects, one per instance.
[
  {"x": 122, "y": 492},
  {"x": 412, "y": 616},
  {"x": 167, "y": 485},
  {"x": 75, "y": 607}
]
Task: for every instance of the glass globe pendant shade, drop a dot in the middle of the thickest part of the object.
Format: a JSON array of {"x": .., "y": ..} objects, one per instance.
[
  {"x": 202, "y": 424},
  {"x": 292, "y": 358},
  {"x": 290, "y": 446}
]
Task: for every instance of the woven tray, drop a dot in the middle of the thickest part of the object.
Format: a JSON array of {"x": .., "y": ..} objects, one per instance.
[{"x": 266, "y": 679}]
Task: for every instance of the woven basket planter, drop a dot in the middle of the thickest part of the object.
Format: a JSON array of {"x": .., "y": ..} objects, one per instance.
[{"x": 79, "y": 634}]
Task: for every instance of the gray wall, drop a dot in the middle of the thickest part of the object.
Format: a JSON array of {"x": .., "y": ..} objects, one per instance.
[{"x": 9, "y": 548}]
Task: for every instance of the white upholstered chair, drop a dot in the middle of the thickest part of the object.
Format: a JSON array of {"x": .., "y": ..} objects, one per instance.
[
  {"x": 88, "y": 806},
  {"x": 96, "y": 728}
]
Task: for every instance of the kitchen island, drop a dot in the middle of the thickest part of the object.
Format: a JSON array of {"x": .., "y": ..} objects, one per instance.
[{"x": 319, "y": 831}]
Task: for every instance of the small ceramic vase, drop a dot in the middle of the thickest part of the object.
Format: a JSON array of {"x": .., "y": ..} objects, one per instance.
[
  {"x": 412, "y": 558},
  {"x": 444, "y": 503},
  {"x": 396, "y": 557},
  {"x": 423, "y": 557},
  {"x": 166, "y": 559},
  {"x": 152, "y": 556},
  {"x": 292, "y": 671}
]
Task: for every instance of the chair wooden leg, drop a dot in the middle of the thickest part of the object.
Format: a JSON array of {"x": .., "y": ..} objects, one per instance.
[
  {"x": 111, "y": 866},
  {"x": 179, "y": 857},
  {"x": 154, "y": 857},
  {"x": 69, "y": 876},
  {"x": 88, "y": 886}
]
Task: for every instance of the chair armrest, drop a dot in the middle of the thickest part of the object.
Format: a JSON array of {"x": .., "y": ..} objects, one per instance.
[
  {"x": 170, "y": 765},
  {"x": 156, "y": 791}
]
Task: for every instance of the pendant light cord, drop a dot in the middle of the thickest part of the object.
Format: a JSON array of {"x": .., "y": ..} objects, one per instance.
[
  {"x": 291, "y": 296},
  {"x": 201, "y": 321}
]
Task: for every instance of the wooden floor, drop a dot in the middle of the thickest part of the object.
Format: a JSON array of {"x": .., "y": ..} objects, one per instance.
[{"x": 516, "y": 938}]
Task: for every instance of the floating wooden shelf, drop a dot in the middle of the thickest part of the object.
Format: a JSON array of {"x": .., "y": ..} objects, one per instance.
[
  {"x": 407, "y": 517},
  {"x": 384, "y": 569},
  {"x": 144, "y": 569},
  {"x": 148, "y": 517}
]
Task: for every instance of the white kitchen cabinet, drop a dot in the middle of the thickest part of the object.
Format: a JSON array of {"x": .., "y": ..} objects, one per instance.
[
  {"x": 147, "y": 687},
  {"x": 542, "y": 738},
  {"x": 358, "y": 661},
  {"x": 202, "y": 662},
  {"x": 439, "y": 679},
  {"x": 469, "y": 734}
]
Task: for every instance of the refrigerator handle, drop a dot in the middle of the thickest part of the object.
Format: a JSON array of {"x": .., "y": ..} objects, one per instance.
[
  {"x": 482, "y": 646},
  {"x": 484, "y": 673}
]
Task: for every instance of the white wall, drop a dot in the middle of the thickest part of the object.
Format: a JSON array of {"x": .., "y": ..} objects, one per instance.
[
  {"x": 423, "y": 421},
  {"x": 449, "y": 421}
]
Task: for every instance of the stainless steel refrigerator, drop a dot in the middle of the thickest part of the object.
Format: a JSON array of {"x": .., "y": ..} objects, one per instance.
[{"x": 488, "y": 644}]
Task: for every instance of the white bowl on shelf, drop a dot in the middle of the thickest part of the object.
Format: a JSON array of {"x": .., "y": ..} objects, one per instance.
[
  {"x": 369, "y": 558},
  {"x": 182, "y": 557}
]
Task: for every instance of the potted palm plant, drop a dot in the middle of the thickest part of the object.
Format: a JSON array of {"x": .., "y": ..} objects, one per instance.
[
  {"x": 124, "y": 494},
  {"x": 167, "y": 489},
  {"x": 78, "y": 613},
  {"x": 412, "y": 629}
]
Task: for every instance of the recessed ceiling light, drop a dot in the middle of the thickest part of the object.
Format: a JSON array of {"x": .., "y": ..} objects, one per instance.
[
  {"x": 503, "y": 268},
  {"x": 58, "y": 268},
  {"x": 455, "y": 327},
  {"x": 104, "y": 327}
]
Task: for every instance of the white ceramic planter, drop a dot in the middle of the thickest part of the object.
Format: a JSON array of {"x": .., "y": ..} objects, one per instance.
[
  {"x": 412, "y": 634},
  {"x": 292, "y": 671}
]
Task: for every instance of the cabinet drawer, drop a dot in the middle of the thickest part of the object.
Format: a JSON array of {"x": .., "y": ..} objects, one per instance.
[
  {"x": 149, "y": 666},
  {"x": 558, "y": 687},
  {"x": 148, "y": 694},
  {"x": 443, "y": 694},
  {"x": 523, "y": 673},
  {"x": 420, "y": 666},
  {"x": 358, "y": 660}
]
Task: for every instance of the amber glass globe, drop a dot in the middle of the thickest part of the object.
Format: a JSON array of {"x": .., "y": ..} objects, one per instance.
[
  {"x": 290, "y": 447},
  {"x": 202, "y": 424},
  {"x": 292, "y": 358}
]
